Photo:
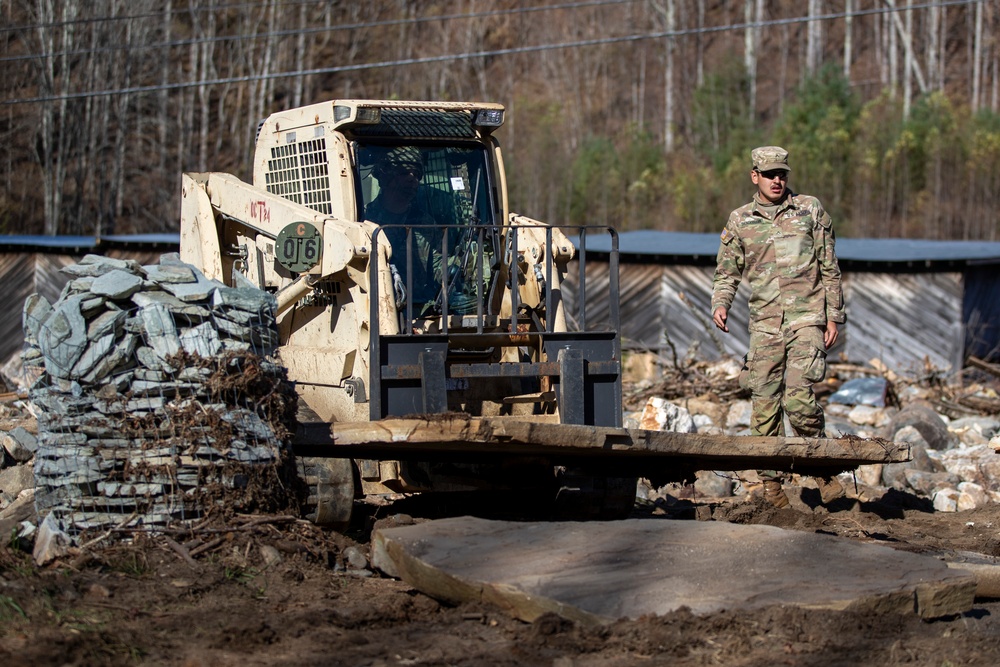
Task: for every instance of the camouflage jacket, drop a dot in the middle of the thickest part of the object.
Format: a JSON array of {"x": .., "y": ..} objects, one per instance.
[{"x": 789, "y": 261}]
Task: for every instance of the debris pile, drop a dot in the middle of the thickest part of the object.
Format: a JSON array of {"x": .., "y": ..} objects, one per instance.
[
  {"x": 156, "y": 401},
  {"x": 953, "y": 432}
]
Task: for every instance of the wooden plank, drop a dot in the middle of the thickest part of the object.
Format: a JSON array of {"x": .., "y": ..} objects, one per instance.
[
  {"x": 462, "y": 438},
  {"x": 598, "y": 572}
]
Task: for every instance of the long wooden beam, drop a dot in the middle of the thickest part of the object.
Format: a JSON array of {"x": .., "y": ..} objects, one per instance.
[{"x": 620, "y": 451}]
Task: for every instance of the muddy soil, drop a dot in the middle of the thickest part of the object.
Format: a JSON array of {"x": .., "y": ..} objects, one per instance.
[{"x": 276, "y": 591}]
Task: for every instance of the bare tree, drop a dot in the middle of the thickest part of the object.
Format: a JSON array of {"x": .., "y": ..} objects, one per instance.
[
  {"x": 752, "y": 12},
  {"x": 977, "y": 58},
  {"x": 667, "y": 11},
  {"x": 814, "y": 43},
  {"x": 848, "y": 37}
]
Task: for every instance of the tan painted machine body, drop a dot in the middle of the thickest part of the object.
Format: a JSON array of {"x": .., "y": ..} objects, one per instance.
[{"x": 406, "y": 287}]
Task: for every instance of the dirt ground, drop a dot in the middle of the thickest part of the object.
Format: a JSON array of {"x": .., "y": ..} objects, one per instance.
[{"x": 272, "y": 590}]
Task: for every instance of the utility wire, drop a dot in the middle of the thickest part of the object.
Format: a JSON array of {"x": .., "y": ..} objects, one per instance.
[
  {"x": 128, "y": 17},
  {"x": 307, "y": 31},
  {"x": 483, "y": 54}
]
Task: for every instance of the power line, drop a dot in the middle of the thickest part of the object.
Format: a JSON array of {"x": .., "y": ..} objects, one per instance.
[
  {"x": 306, "y": 31},
  {"x": 484, "y": 54},
  {"x": 128, "y": 17}
]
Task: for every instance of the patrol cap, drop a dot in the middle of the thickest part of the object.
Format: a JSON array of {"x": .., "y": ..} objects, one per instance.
[
  {"x": 402, "y": 156},
  {"x": 768, "y": 158}
]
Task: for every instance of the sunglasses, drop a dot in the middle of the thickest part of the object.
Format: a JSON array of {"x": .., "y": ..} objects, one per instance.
[{"x": 412, "y": 170}]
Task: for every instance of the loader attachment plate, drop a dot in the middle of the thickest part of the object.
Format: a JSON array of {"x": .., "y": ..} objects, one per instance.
[{"x": 614, "y": 451}]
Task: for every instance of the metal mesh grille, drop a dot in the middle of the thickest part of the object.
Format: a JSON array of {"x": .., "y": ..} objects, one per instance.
[
  {"x": 420, "y": 124},
  {"x": 300, "y": 172}
]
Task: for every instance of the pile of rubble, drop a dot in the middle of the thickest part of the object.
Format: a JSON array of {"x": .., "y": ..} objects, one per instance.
[
  {"x": 954, "y": 463},
  {"x": 155, "y": 399}
]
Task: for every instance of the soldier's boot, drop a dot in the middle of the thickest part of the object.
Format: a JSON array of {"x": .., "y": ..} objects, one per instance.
[
  {"x": 830, "y": 489},
  {"x": 774, "y": 494}
]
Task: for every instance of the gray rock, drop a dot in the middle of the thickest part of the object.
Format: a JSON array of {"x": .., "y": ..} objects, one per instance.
[
  {"x": 894, "y": 474},
  {"x": 270, "y": 555},
  {"x": 867, "y": 415},
  {"x": 20, "y": 444},
  {"x": 98, "y": 265},
  {"x": 120, "y": 489},
  {"x": 16, "y": 479},
  {"x": 172, "y": 259},
  {"x": 151, "y": 360},
  {"x": 928, "y": 422},
  {"x": 235, "y": 346},
  {"x": 161, "y": 332},
  {"x": 713, "y": 484},
  {"x": 81, "y": 285},
  {"x": 837, "y": 428},
  {"x": 51, "y": 541},
  {"x": 49, "y": 439},
  {"x": 36, "y": 310},
  {"x": 116, "y": 284},
  {"x": 248, "y": 299},
  {"x": 929, "y": 483},
  {"x": 250, "y": 424},
  {"x": 118, "y": 357},
  {"x": 191, "y": 311},
  {"x": 202, "y": 289},
  {"x": 90, "y": 307},
  {"x": 251, "y": 454},
  {"x": 108, "y": 322},
  {"x": 96, "y": 352},
  {"x": 738, "y": 415},
  {"x": 202, "y": 340},
  {"x": 145, "y": 404},
  {"x": 62, "y": 338},
  {"x": 661, "y": 415},
  {"x": 972, "y": 464},
  {"x": 354, "y": 558},
  {"x": 170, "y": 273},
  {"x": 986, "y": 426},
  {"x": 241, "y": 332}
]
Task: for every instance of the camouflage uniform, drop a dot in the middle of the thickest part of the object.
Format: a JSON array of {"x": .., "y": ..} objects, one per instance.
[{"x": 796, "y": 289}]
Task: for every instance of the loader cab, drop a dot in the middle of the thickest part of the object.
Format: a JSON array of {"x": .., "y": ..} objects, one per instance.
[{"x": 436, "y": 210}]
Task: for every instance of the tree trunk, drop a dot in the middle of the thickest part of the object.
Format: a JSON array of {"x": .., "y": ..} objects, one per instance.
[
  {"x": 848, "y": 37},
  {"x": 750, "y": 41},
  {"x": 977, "y": 58},
  {"x": 814, "y": 42}
]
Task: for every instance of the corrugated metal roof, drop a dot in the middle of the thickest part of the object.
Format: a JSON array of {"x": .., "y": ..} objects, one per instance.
[
  {"x": 703, "y": 247},
  {"x": 647, "y": 243},
  {"x": 42, "y": 243}
]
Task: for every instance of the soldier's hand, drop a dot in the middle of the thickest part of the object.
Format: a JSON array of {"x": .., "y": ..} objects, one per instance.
[
  {"x": 719, "y": 317},
  {"x": 397, "y": 287},
  {"x": 830, "y": 335}
]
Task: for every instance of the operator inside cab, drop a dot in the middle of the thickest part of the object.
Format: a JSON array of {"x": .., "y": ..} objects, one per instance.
[{"x": 415, "y": 216}]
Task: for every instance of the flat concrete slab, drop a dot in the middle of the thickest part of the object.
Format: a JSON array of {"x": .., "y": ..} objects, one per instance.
[{"x": 597, "y": 572}]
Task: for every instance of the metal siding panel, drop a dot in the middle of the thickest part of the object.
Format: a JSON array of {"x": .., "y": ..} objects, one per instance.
[
  {"x": 24, "y": 274},
  {"x": 905, "y": 320},
  {"x": 688, "y": 293},
  {"x": 17, "y": 281},
  {"x": 642, "y": 304}
]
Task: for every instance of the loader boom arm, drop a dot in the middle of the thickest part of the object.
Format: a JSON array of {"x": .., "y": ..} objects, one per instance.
[{"x": 211, "y": 201}]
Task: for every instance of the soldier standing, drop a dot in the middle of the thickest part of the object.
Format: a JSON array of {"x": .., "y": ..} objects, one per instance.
[{"x": 784, "y": 243}]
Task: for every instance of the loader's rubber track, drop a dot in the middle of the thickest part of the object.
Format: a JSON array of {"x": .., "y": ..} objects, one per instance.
[{"x": 331, "y": 485}]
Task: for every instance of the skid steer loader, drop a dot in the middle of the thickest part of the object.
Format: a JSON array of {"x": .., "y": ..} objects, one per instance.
[{"x": 424, "y": 325}]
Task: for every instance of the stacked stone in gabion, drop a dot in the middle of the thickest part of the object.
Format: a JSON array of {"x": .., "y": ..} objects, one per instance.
[{"x": 157, "y": 402}]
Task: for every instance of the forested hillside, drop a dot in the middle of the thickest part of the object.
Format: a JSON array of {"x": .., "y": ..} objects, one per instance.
[{"x": 633, "y": 113}]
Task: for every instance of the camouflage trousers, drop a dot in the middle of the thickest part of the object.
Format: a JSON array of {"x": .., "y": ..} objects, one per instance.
[{"x": 779, "y": 372}]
